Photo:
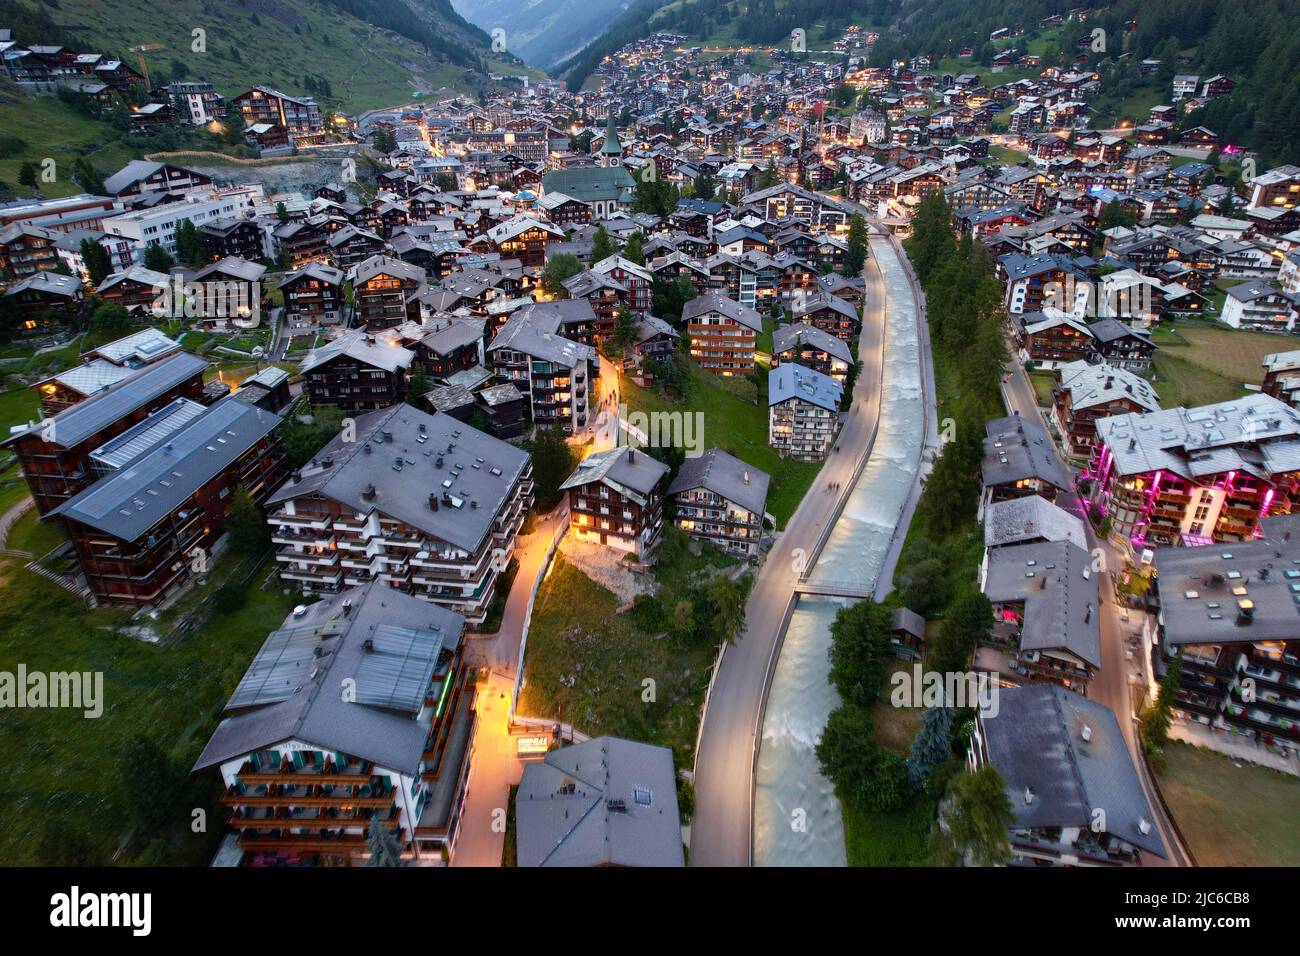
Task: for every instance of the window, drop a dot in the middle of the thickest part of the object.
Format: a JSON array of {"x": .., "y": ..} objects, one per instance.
[{"x": 642, "y": 796}]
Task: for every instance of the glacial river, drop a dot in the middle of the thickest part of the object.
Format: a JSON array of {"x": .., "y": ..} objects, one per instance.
[{"x": 797, "y": 819}]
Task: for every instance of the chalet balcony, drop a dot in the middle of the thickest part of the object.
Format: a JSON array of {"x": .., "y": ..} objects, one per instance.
[
  {"x": 300, "y": 521},
  {"x": 317, "y": 560},
  {"x": 315, "y": 579}
]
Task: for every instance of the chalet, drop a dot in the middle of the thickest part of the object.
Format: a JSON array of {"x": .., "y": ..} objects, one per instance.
[
  {"x": 830, "y": 314},
  {"x": 550, "y": 370},
  {"x": 722, "y": 334},
  {"x": 385, "y": 292},
  {"x": 1085, "y": 392},
  {"x": 43, "y": 300},
  {"x": 233, "y": 236},
  {"x": 616, "y": 500},
  {"x": 26, "y": 249},
  {"x": 1034, "y": 730},
  {"x": 809, "y": 346},
  {"x": 142, "y": 178},
  {"x": 299, "y": 115},
  {"x": 1020, "y": 460},
  {"x": 1046, "y": 609},
  {"x": 313, "y": 295},
  {"x": 357, "y": 371},
  {"x": 395, "y": 754},
  {"x": 520, "y": 237},
  {"x": 1260, "y": 306},
  {"x": 722, "y": 500}
]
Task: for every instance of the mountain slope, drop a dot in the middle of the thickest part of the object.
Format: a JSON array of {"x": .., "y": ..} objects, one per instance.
[
  {"x": 543, "y": 32},
  {"x": 356, "y": 54}
]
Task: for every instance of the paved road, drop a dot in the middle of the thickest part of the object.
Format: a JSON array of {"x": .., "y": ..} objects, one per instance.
[
  {"x": 722, "y": 827},
  {"x": 1111, "y": 685},
  {"x": 494, "y": 766}
]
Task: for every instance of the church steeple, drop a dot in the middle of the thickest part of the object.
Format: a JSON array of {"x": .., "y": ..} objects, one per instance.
[{"x": 611, "y": 151}]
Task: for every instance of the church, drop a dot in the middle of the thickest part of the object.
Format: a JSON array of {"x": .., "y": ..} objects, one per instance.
[{"x": 606, "y": 188}]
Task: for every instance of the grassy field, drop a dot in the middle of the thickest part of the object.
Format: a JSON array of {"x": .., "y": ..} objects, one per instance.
[
  {"x": 51, "y": 128},
  {"x": 68, "y": 764},
  {"x": 894, "y": 727},
  {"x": 38, "y": 537},
  {"x": 738, "y": 427},
  {"x": 1197, "y": 363},
  {"x": 366, "y": 67},
  {"x": 1232, "y": 816},
  {"x": 586, "y": 663}
]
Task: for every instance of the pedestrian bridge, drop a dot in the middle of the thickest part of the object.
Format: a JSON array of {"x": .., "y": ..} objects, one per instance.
[{"x": 845, "y": 589}]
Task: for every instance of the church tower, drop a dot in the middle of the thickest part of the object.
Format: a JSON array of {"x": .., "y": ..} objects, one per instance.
[{"x": 611, "y": 152}]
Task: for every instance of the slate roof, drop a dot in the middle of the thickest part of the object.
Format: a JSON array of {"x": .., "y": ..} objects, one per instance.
[
  {"x": 603, "y": 802},
  {"x": 1036, "y": 742},
  {"x": 477, "y": 473},
  {"x": 1054, "y": 580},
  {"x": 1018, "y": 447},
  {"x": 289, "y": 691},
  {"x": 622, "y": 467},
  {"x": 789, "y": 381},
  {"x": 724, "y": 475},
  {"x": 1030, "y": 518}
]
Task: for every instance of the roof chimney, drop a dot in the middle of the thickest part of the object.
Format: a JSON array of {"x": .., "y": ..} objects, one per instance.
[
  {"x": 1029, "y": 796},
  {"x": 433, "y": 501},
  {"x": 369, "y": 493}
]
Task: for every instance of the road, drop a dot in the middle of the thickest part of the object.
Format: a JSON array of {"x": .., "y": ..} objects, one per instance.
[
  {"x": 722, "y": 827},
  {"x": 1112, "y": 684},
  {"x": 494, "y": 765}
]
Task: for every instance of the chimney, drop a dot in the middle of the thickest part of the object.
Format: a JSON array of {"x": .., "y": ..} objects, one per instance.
[
  {"x": 433, "y": 501},
  {"x": 369, "y": 493},
  {"x": 631, "y": 456},
  {"x": 347, "y": 608},
  {"x": 1086, "y": 733},
  {"x": 368, "y": 646},
  {"x": 1029, "y": 796}
]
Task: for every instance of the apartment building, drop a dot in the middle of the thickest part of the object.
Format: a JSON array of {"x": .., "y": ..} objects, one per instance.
[
  {"x": 616, "y": 499},
  {"x": 357, "y": 371},
  {"x": 1198, "y": 475},
  {"x": 722, "y": 334},
  {"x": 1063, "y": 757},
  {"x": 1046, "y": 613},
  {"x": 306, "y": 771},
  {"x": 1085, "y": 392},
  {"x": 54, "y": 454},
  {"x": 423, "y": 503},
  {"x": 829, "y": 313},
  {"x": 313, "y": 295},
  {"x": 803, "y": 412},
  {"x": 158, "y": 224},
  {"x": 1020, "y": 460},
  {"x": 550, "y": 370},
  {"x": 103, "y": 367},
  {"x": 150, "y": 524},
  {"x": 385, "y": 292},
  {"x": 806, "y": 345},
  {"x": 722, "y": 500},
  {"x": 1230, "y": 614},
  {"x": 298, "y": 114}
]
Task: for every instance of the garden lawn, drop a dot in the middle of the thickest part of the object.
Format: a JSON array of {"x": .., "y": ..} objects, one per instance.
[
  {"x": 68, "y": 764},
  {"x": 576, "y": 636},
  {"x": 1231, "y": 815},
  {"x": 738, "y": 427}
]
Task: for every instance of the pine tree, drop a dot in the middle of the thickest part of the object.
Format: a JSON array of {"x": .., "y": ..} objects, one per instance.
[
  {"x": 383, "y": 845},
  {"x": 98, "y": 264},
  {"x": 931, "y": 746},
  {"x": 602, "y": 247}
]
